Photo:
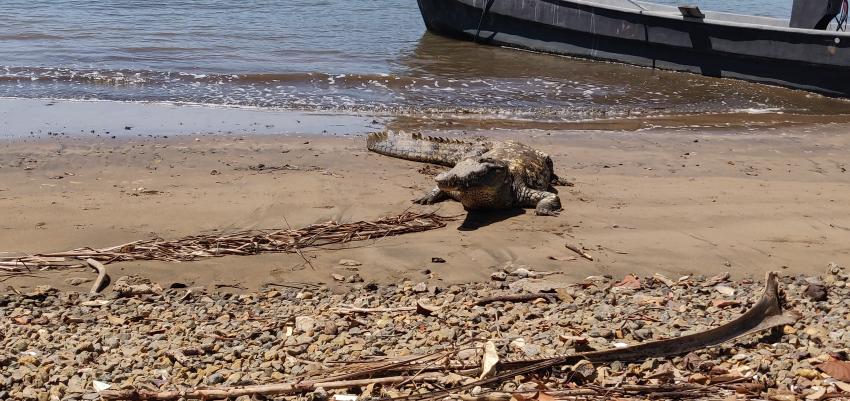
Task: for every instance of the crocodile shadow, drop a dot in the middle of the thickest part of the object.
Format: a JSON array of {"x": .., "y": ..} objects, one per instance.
[{"x": 476, "y": 219}]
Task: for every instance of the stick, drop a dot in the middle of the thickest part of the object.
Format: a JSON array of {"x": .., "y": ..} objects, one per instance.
[
  {"x": 97, "y": 287},
  {"x": 515, "y": 298},
  {"x": 767, "y": 313},
  {"x": 351, "y": 309},
  {"x": 267, "y": 389},
  {"x": 579, "y": 251}
]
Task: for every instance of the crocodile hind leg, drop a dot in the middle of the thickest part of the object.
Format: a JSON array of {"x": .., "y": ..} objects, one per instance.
[
  {"x": 431, "y": 197},
  {"x": 544, "y": 203}
]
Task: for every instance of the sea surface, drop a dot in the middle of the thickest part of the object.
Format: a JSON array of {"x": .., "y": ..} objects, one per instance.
[{"x": 371, "y": 56}]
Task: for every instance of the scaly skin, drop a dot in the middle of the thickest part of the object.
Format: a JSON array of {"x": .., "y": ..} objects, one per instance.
[{"x": 497, "y": 175}]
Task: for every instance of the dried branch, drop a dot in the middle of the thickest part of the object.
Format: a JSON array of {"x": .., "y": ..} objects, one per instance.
[
  {"x": 97, "y": 287},
  {"x": 250, "y": 242}
]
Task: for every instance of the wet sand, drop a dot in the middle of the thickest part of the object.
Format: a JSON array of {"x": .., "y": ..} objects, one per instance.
[{"x": 673, "y": 201}]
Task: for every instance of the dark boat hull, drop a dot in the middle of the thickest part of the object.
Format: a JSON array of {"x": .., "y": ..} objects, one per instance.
[{"x": 816, "y": 61}]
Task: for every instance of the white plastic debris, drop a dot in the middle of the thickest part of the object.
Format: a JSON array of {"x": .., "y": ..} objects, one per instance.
[
  {"x": 490, "y": 360},
  {"x": 100, "y": 386}
]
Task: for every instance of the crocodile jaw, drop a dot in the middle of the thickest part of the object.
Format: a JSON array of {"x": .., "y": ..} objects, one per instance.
[{"x": 477, "y": 184}]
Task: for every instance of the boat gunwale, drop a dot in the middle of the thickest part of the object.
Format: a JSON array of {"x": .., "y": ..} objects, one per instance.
[{"x": 706, "y": 21}]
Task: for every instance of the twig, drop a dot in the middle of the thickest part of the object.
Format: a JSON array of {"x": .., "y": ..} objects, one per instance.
[
  {"x": 578, "y": 251},
  {"x": 97, "y": 287},
  {"x": 352, "y": 309},
  {"x": 516, "y": 298},
  {"x": 268, "y": 389}
]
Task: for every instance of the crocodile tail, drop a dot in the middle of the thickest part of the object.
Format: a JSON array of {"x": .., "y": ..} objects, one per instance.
[{"x": 416, "y": 147}]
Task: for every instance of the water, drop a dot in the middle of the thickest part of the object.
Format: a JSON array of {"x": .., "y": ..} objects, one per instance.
[{"x": 360, "y": 55}]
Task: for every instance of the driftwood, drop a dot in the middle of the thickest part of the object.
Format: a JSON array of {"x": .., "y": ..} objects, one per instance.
[
  {"x": 249, "y": 242},
  {"x": 579, "y": 251},
  {"x": 97, "y": 287},
  {"x": 767, "y": 313},
  {"x": 516, "y": 298},
  {"x": 268, "y": 389}
]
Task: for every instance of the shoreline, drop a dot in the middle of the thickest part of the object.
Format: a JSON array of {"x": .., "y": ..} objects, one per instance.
[
  {"x": 23, "y": 118},
  {"x": 40, "y": 118}
]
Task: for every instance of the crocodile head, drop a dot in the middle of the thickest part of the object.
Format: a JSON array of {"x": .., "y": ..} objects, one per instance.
[{"x": 478, "y": 183}]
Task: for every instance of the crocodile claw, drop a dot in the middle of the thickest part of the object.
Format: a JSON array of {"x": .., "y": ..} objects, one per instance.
[
  {"x": 547, "y": 212},
  {"x": 425, "y": 200}
]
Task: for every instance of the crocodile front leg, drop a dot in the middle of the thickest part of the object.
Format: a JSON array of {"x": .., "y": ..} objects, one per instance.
[
  {"x": 544, "y": 203},
  {"x": 433, "y": 196}
]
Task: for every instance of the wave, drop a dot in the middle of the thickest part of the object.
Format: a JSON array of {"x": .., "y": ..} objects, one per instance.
[
  {"x": 570, "y": 98},
  {"x": 122, "y": 76}
]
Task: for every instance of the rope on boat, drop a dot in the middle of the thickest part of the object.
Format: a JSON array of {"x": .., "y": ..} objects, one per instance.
[
  {"x": 483, "y": 14},
  {"x": 841, "y": 18}
]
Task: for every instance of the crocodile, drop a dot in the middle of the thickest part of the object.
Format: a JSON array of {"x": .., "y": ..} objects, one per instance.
[{"x": 483, "y": 175}]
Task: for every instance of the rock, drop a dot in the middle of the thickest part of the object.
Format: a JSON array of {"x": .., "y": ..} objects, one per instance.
[
  {"x": 215, "y": 378},
  {"x": 816, "y": 292},
  {"x": 725, "y": 290},
  {"x": 499, "y": 276},
  {"x": 305, "y": 324},
  {"x": 318, "y": 394},
  {"x": 420, "y": 287},
  {"x": 41, "y": 291},
  {"x": 29, "y": 393},
  {"x": 349, "y": 263},
  {"x": 330, "y": 328},
  {"x": 129, "y": 286},
  {"x": 533, "y": 285},
  {"x": 531, "y": 350},
  {"x": 75, "y": 281}
]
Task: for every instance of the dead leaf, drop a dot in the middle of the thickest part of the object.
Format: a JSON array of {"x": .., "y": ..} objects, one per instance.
[
  {"x": 817, "y": 394},
  {"x": 692, "y": 361},
  {"x": 839, "y": 370},
  {"x": 725, "y": 378},
  {"x": 842, "y": 386},
  {"x": 698, "y": 378},
  {"x": 520, "y": 397},
  {"x": 573, "y": 339},
  {"x": 452, "y": 379},
  {"x": 663, "y": 279},
  {"x": 584, "y": 370},
  {"x": 724, "y": 303},
  {"x": 725, "y": 290},
  {"x": 630, "y": 281},
  {"x": 717, "y": 279},
  {"x": 749, "y": 388},
  {"x": 541, "y": 396},
  {"x": 490, "y": 360},
  {"x": 564, "y": 295},
  {"x": 423, "y": 308}
]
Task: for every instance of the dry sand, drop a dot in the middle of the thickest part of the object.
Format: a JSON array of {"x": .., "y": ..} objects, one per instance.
[{"x": 676, "y": 202}]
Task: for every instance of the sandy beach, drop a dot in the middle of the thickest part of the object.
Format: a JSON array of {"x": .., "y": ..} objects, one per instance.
[
  {"x": 189, "y": 211},
  {"x": 673, "y": 201}
]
